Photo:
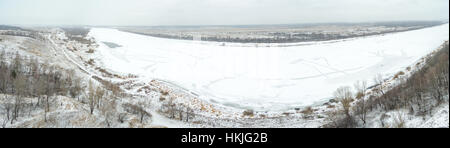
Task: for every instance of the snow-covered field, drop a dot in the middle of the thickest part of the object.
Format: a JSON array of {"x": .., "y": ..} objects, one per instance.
[{"x": 260, "y": 77}]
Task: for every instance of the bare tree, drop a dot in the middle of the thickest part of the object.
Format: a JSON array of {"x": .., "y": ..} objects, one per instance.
[
  {"x": 360, "y": 87},
  {"x": 99, "y": 92},
  {"x": 189, "y": 113},
  {"x": 7, "y": 107},
  {"x": 16, "y": 65},
  {"x": 121, "y": 117},
  {"x": 172, "y": 107},
  {"x": 91, "y": 97},
  {"x": 107, "y": 109},
  {"x": 142, "y": 112},
  {"x": 40, "y": 89},
  {"x": 115, "y": 89},
  {"x": 35, "y": 68},
  {"x": 76, "y": 89},
  {"x": 4, "y": 77},
  {"x": 3, "y": 73},
  {"x": 345, "y": 97},
  {"x": 432, "y": 76},
  {"x": 19, "y": 86},
  {"x": 2, "y": 55},
  {"x": 138, "y": 110},
  {"x": 361, "y": 110}
]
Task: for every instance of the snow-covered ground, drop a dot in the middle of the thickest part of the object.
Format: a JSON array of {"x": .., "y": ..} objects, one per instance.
[{"x": 260, "y": 77}]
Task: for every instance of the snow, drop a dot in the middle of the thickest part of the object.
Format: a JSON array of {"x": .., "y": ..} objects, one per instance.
[
  {"x": 264, "y": 77},
  {"x": 438, "y": 118}
]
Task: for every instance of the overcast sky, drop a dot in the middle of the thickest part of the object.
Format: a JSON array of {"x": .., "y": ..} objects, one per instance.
[{"x": 215, "y": 12}]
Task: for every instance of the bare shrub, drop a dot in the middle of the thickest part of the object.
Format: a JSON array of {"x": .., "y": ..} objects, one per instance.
[
  {"x": 401, "y": 73},
  {"x": 137, "y": 110},
  {"x": 248, "y": 112},
  {"x": 121, "y": 117},
  {"x": 379, "y": 80},
  {"x": 307, "y": 112},
  {"x": 360, "y": 87},
  {"x": 91, "y": 62},
  {"x": 108, "y": 110},
  {"x": 344, "y": 96},
  {"x": 90, "y": 50},
  {"x": 399, "y": 121},
  {"x": 382, "y": 120},
  {"x": 91, "y": 97},
  {"x": 338, "y": 119},
  {"x": 360, "y": 110}
]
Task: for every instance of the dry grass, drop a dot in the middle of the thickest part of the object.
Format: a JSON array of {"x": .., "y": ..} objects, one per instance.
[
  {"x": 359, "y": 95},
  {"x": 401, "y": 73},
  {"x": 331, "y": 106},
  {"x": 91, "y": 62},
  {"x": 90, "y": 51},
  {"x": 248, "y": 113},
  {"x": 307, "y": 111}
]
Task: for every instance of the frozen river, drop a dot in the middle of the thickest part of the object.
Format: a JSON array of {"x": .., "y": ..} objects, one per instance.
[{"x": 265, "y": 78}]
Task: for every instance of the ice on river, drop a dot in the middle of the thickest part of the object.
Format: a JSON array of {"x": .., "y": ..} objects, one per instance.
[{"x": 265, "y": 78}]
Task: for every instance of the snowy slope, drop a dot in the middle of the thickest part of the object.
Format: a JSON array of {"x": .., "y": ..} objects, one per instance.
[{"x": 265, "y": 78}]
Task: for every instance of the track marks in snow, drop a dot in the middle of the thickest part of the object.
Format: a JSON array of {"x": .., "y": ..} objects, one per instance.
[{"x": 330, "y": 73}]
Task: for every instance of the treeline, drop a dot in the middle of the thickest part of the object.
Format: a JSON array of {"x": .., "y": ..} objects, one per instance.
[
  {"x": 28, "y": 33},
  {"x": 6, "y": 27},
  {"x": 295, "y": 36},
  {"x": 420, "y": 93},
  {"x": 277, "y": 37},
  {"x": 78, "y": 34},
  {"x": 423, "y": 90}
]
